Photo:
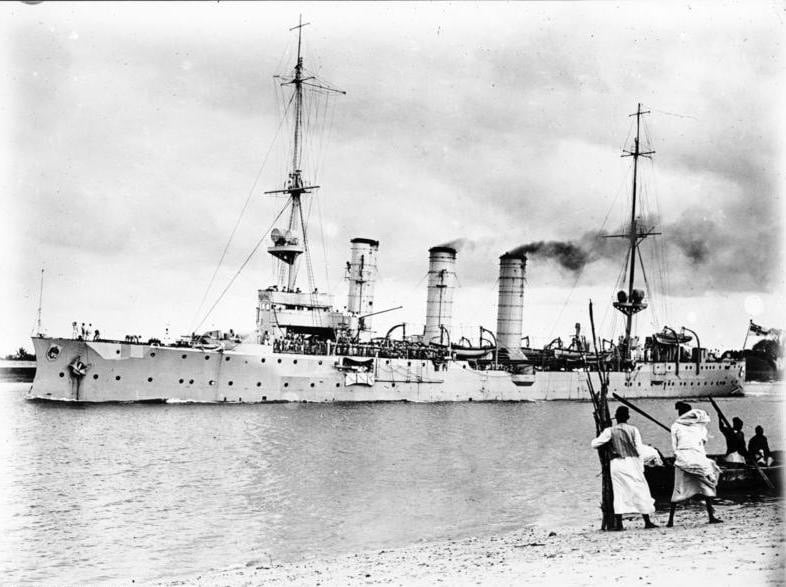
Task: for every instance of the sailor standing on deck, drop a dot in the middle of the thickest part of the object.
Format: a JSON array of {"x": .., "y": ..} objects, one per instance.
[
  {"x": 631, "y": 492},
  {"x": 694, "y": 473}
]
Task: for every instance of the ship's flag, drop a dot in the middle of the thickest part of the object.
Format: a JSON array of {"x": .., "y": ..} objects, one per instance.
[{"x": 761, "y": 331}]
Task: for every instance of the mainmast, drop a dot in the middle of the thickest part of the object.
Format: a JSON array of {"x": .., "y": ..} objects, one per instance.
[
  {"x": 287, "y": 246},
  {"x": 632, "y": 301}
]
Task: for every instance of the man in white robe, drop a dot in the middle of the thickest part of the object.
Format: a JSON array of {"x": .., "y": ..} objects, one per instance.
[
  {"x": 694, "y": 473},
  {"x": 631, "y": 492}
]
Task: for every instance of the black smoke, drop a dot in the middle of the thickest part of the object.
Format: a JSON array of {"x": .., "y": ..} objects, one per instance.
[{"x": 569, "y": 255}]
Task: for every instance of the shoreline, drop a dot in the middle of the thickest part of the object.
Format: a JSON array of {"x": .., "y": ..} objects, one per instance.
[{"x": 748, "y": 548}]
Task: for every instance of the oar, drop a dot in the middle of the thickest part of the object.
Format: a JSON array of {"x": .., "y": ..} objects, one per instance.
[
  {"x": 764, "y": 477},
  {"x": 721, "y": 415},
  {"x": 640, "y": 411}
]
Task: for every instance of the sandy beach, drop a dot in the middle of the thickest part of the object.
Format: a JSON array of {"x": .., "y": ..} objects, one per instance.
[{"x": 748, "y": 548}]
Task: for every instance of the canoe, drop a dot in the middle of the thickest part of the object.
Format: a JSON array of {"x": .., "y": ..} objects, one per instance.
[{"x": 735, "y": 478}]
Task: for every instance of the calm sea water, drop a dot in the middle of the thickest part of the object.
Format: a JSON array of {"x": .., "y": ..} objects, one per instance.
[{"x": 151, "y": 492}]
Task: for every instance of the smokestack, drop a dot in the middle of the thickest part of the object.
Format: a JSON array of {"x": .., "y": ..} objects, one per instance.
[
  {"x": 362, "y": 272},
  {"x": 439, "y": 299},
  {"x": 510, "y": 307}
]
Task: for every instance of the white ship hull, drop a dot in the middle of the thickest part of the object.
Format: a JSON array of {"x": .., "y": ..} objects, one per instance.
[{"x": 74, "y": 370}]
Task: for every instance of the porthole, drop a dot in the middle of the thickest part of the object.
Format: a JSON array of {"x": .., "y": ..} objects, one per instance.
[
  {"x": 152, "y": 354},
  {"x": 294, "y": 362},
  {"x": 319, "y": 362},
  {"x": 409, "y": 363},
  {"x": 149, "y": 379},
  {"x": 259, "y": 384},
  {"x": 338, "y": 385},
  {"x": 117, "y": 352},
  {"x": 263, "y": 359},
  {"x": 95, "y": 375},
  {"x": 211, "y": 382},
  {"x": 183, "y": 356},
  {"x": 117, "y": 377},
  {"x": 387, "y": 361},
  {"x": 230, "y": 383},
  {"x": 190, "y": 381},
  {"x": 286, "y": 384},
  {"x": 392, "y": 385},
  {"x": 180, "y": 380},
  {"x": 264, "y": 398},
  {"x": 62, "y": 374},
  {"x": 227, "y": 358},
  {"x": 207, "y": 357},
  {"x": 279, "y": 360},
  {"x": 312, "y": 385}
]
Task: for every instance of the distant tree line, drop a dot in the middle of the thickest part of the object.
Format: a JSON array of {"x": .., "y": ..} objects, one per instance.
[{"x": 21, "y": 355}]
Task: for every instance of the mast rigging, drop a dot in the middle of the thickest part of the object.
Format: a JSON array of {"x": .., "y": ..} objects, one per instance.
[
  {"x": 287, "y": 246},
  {"x": 632, "y": 301}
]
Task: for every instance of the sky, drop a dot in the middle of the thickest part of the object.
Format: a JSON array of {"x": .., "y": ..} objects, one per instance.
[{"x": 134, "y": 134}]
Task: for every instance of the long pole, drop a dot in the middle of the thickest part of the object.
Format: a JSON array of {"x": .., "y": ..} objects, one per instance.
[
  {"x": 747, "y": 332},
  {"x": 602, "y": 421},
  {"x": 622, "y": 400}
]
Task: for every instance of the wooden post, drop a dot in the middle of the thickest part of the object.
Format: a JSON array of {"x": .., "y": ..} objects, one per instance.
[{"x": 602, "y": 421}]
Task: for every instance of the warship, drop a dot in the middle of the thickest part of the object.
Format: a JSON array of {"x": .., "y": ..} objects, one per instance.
[{"x": 305, "y": 349}]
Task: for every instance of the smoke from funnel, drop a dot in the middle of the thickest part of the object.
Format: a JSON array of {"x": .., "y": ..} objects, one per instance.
[
  {"x": 457, "y": 244},
  {"x": 569, "y": 255}
]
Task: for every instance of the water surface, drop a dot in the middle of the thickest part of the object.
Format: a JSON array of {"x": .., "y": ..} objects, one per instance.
[{"x": 120, "y": 491}]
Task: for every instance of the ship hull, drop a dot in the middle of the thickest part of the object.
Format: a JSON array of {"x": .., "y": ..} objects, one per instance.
[{"x": 102, "y": 371}]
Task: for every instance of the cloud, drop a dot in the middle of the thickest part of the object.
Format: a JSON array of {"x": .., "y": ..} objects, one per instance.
[{"x": 137, "y": 143}]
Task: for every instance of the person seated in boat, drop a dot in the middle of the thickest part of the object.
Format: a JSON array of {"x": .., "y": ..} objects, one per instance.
[
  {"x": 631, "y": 491},
  {"x": 759, "y": 449},
  {"x": 735, "y": 439},
  {"x": 650, "y": 456},
  {"x": 694, "y": 473}
]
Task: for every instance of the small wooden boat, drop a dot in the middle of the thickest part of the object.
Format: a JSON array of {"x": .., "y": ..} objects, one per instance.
[{"x": 735, "y": 478}]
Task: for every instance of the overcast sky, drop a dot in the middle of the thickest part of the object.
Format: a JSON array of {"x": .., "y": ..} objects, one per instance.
[{"x": 132, "y": 135}]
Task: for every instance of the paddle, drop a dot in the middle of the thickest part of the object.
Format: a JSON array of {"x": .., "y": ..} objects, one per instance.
[
  {"x": 640, "y": 411},
  {"x": 754, "y": 463}
]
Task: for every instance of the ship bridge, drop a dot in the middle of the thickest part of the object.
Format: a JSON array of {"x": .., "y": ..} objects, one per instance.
[{"x": 297, "y": 312}]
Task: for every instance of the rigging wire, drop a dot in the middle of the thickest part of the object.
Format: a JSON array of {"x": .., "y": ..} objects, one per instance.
[
  {"x": 322, "y": 238},
  {"x": 242, "y": 266},
  {"x": 240, "y": 217}
]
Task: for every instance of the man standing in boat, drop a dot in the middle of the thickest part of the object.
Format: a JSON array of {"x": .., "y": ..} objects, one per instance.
[
  {"x": 735, "y": 439},
  {"x": 694, "y": 473},
  {"x": 631, "y": 492}
]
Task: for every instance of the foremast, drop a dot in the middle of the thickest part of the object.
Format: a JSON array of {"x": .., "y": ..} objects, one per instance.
[
  {"x": 290, "y": 244},
  {"x": 631, "y": 302}
]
